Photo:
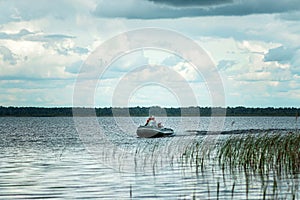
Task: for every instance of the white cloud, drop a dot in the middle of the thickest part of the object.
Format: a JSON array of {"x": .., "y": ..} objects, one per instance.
[
  {"x": 27, "y": 10},
  {"x": 36, "y": 93},
  {"x": 284, "y": 55},
  {"x": 122, "y": 91},
  {"x": 248, "y": 78},
  {"x": 130, "y": 61},
  {"x": 253, "y": 46},
  {"x": 187, "y": 71},
  {"x": 7, "y": 56},
  {"x": 257, "y": 55},
  {"x": 153, "y": 95},
  {"x": 33, "y": 60}
]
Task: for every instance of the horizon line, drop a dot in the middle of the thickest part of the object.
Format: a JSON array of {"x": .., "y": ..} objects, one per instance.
[{"x": 239, "y": 106}]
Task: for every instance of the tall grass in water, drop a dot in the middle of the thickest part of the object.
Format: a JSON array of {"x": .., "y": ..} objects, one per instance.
[
  {"x": 197, "y": 154},
  {"x": 279, "y": 153},
  {"x": 272, "y": 157},
  {"x": 269, "y": 160}
]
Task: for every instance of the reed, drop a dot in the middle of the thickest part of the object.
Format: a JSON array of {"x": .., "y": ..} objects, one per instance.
[
  {"x": 279, "y": 153},
  {"x": 244, "y": 159},
  {"x": 261, "y": 156},
  {"x": 197, "y": 154}
]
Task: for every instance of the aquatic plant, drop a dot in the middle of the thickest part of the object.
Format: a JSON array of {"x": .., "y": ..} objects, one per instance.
[
  {"x": 262, "y": 153},
  {"x": 270, "y": 159}
]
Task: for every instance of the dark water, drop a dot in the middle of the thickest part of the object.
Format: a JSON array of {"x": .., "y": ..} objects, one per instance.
[{"x": 49, "y": 158}]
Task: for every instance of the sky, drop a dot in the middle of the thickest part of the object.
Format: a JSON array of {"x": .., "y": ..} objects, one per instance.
[{"x": 45, "y": 46}]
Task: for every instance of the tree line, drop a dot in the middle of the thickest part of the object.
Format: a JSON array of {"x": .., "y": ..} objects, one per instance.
[{"x": 146, "y": 111}]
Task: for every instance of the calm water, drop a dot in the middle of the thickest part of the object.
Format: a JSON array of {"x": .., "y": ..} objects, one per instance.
[{"x": 49, "y": 158}]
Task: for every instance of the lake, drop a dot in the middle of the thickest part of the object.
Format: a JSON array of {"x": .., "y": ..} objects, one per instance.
[{"x": 82, "y": 158}]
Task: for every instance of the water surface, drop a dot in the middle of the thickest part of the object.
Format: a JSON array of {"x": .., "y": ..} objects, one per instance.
[{"x": 48, "y": 158}]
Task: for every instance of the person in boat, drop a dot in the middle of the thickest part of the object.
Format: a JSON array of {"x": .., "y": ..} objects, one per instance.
[
  {"x": 159, "y": 125},
  {"x": 151, "y": 121}
]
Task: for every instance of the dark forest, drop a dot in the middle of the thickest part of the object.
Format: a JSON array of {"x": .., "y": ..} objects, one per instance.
[{"x": 146, "y": 111}]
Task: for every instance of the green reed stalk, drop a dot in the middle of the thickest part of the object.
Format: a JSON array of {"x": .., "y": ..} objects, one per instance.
[{"x": 257, "y": 155}]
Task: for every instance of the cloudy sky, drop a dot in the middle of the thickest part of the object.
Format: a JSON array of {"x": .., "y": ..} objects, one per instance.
[{"x": 254, "y": 45}]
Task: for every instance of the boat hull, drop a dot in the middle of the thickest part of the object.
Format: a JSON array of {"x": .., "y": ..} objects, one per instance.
[{"x": 150, "y": 132}]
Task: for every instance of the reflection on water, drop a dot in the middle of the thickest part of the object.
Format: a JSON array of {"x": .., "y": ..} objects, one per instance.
[{"x": 46, "y": 157}]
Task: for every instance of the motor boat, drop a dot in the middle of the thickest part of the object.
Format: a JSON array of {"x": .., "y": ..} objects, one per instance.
[{"x": 153, "y": 131}]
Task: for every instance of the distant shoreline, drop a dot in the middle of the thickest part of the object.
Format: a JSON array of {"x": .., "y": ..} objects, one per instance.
[{"x": 146, "y": 111}]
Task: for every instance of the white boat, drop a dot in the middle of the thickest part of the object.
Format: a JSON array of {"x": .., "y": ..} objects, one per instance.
[{"x": 153, "y": 131}]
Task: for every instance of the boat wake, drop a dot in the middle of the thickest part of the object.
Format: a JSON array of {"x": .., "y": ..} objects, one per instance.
[{"x": 241, "y": 131}]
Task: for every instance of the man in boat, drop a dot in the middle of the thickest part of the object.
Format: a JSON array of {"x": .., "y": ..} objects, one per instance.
[{"x": 151, "y": 121}]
